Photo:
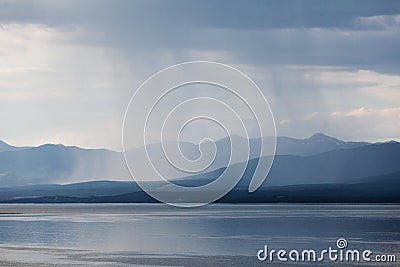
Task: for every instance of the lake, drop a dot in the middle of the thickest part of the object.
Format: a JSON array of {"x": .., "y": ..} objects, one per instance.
[{"x": 215, "y": 235}]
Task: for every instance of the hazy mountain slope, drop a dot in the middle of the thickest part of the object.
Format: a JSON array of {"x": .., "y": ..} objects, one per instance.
[
  {"x": 316, "y": 144},
  {"x": 59, "y": 164},
  {"x": 6, "y": 147},
  {"x": 338, "y": 166},
  {"x": 387, "y": 190},
  {"x": 96, "y": 188},
  {"x": 49, "y": 164},
  {"x": 376, "y": 189}
]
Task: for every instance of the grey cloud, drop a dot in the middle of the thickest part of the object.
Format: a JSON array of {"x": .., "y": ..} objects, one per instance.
[
  {"x": 220, "y": 14},
  {"x": 264, "y": 33}
]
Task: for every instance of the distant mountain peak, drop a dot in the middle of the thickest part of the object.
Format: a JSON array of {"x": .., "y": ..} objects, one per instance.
[{"x": 322, "y": 137}]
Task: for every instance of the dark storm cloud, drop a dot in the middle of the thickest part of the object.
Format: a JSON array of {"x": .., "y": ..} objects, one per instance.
[
  {"x": 257, "y": 32},
  {"x": 256, "y": 14}
]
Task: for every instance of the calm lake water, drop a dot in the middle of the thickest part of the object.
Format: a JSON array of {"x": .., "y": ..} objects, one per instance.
[{"x": 216, "y": 235}]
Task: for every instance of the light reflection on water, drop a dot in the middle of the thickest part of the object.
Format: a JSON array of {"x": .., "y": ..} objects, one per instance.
[{"x": 210, "y": 231}]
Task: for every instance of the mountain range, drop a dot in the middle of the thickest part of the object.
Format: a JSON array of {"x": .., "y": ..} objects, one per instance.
[{"x": 316, "y": 169}]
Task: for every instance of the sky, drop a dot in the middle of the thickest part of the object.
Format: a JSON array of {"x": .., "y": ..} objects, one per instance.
[{"x": 69, "y": 68}]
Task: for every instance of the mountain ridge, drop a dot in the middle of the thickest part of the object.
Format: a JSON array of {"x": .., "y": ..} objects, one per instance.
[
  {"x": 317, "y": 137},
  {"x": 51, "y": 163},
  {"x": 7, "y": 147}
]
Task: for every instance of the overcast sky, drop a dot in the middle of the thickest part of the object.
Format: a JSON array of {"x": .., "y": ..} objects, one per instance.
[{"x": 69, "y": 68}]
